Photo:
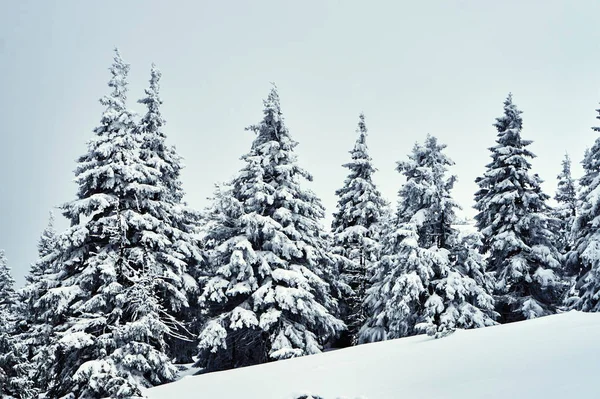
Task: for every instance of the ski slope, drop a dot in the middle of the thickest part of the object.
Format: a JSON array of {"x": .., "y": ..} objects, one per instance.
[{"x": 552, "y": 357}]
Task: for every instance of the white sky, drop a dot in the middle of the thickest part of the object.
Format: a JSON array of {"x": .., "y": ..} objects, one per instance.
[{"x": 442, "y": 67}]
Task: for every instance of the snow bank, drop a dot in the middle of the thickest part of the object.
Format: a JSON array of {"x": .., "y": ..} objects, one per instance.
[{"x": 551, "y": 357}]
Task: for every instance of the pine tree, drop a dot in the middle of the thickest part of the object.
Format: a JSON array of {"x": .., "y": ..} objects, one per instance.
[
  {"x": 268, "y": 298},
  {"x": 356, "y": 231},
  {"x": 173, "y": 239},
  {"x": 426, "y": 280},
  {"x": 108, "y": 324},
  {"x": 566, "y": 197},
  {"x": 517, "y": 231},
  {"x": 584, "y": 259},
  {"x": 14, "y": 367}
]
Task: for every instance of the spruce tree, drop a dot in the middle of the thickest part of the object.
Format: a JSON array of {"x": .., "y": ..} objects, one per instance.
[
  {"x": 398, "y": 293},
  {"x": 566, "y": 197},
  {"x": 268, "y": 298},
  {"x": 517, "y": 231},
  {"x": 108, "y": 307},
  {"x": 584, "y": 259},
  {"x": 356, "y": 231},
  {"x": 172, "y": 240},
  {"x": 426, "y": 280}
]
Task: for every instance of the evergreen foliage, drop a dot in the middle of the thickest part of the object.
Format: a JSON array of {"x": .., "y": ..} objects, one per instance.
[
  {"x": 116, "y": 272},
  {"x": 584, "y": 260},
  {"x": 565, "y": 212},
  {"x": 268, "y": 298},
  {"x": 356, "y": 229},
  {"x": 426, "y": 280},
  {"x": 15, "y": 369},
  {"x": 517, "y": 230}
]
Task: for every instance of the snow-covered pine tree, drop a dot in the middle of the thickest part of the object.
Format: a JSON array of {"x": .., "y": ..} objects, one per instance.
[
  {"x": 356, "y": 232},
  {"x": 172, "y": 240},
  {"x": 566, "y": 197},
  {"x": 584, "y": 259},
  {"x": 517, "y": 231},
  {"x": 425, "y": 281},
  {"x": 15, "y": 381},
  {"x": 268, "y": 298},
  {"x": 108, "y": 324}
]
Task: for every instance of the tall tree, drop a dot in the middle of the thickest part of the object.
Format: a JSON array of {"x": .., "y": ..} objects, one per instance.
[
  {"x": 584, "y": 259},
  {"x": 565, "y": 212},
  {"x": 517, "y": 231},
  {"x": 172, "y": 244},
  {"x": 426, "y": 280},
  {"x": 109, "y": 325},
  {"x": 268, "y": 298},
  {"x": 356, "y": 229}
]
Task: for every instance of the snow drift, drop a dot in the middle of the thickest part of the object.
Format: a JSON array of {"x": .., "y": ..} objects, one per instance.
[{"x": 551, "y": 357}]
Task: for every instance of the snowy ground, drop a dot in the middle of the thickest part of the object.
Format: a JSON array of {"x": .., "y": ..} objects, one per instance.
[{"x": 552, "y": 357}]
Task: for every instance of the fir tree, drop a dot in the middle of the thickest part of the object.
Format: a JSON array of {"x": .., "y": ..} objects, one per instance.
[
  {"x": 108, "y": 324},
  {"x": 356, "y": 230},
  {"x": 173, "y": 239},
  {"x": 584, "y": 259},
  {"x": 566, "y": 197},
  {"x": 426, "y": 279},
  {"x": 268, "y": 298},
  {"x": 517, "y": 231}
]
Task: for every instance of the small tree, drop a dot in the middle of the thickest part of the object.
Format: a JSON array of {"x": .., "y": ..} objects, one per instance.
[{"x": 565, "y": 212}]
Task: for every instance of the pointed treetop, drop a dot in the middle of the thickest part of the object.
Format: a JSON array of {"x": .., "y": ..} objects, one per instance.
[
  {"x": 153, "y": 119},
  {"x": 272, "y": 127},
  {"x": 511, "y": 118},
  {"x": 47, "y": 241},
  {"x": 271, "y": 103},
  {"x": 118, "y": 82},
  {"x": 362, "y": 127}
]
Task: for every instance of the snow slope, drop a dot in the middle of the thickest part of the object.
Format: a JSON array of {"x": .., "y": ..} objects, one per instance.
[{"x": 551, "y": 357}]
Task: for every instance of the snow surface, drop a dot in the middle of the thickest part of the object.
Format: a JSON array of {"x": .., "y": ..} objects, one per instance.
[{"x": 551, "y": 357}]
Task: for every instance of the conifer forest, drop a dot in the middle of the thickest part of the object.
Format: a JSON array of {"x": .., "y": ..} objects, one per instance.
[{"x": 140, "y": 283}]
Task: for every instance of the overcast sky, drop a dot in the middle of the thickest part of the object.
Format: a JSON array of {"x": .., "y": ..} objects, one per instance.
[{"x": 413, "y": 67}]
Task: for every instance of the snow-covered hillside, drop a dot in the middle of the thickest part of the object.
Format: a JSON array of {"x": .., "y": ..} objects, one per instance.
[{"x": 551, "y": 357}]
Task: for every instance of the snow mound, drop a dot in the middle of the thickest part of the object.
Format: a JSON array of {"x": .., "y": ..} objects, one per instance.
[{"x": 550, "y": 357}]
